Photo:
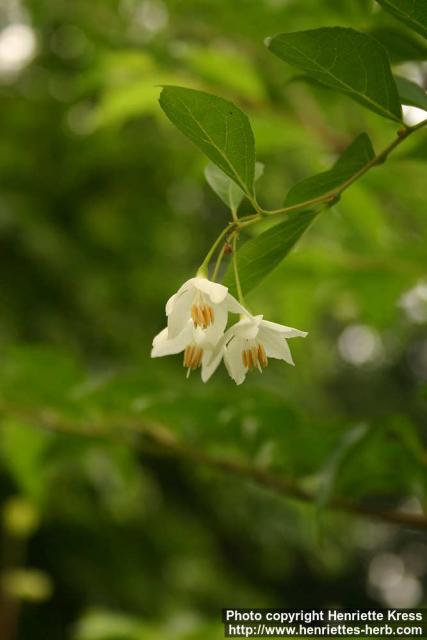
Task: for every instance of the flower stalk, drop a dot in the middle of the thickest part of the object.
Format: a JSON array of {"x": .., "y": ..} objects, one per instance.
[{"x": 236, "y": 273}]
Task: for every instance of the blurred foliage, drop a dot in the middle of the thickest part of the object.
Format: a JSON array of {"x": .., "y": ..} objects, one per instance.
[{"x": 104, "y": 211}]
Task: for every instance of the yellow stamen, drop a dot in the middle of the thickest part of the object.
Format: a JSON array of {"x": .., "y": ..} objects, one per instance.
[
  {"x": 188, "y": 355},
  {"x": 193, "y": 362},
  {"x": 198, "y": 360},
  {"x": 194, "y": 314},
  {"x": 250, "y": 359},
  {"x": 202, "y": 315},
  {"x": 192, "y": 357},
  {"x": 245, "y": 359},
  {"x": 262, "y": 356},
  {"x": 254, "y": 352},
  {"x": 255, "y": 357},
  {"x": 206, "y": 316}
]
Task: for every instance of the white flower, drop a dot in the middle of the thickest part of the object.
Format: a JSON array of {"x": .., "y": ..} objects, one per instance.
[
  {"x": 206, "y": 303},
  {"x": 192, "y": 341},
  {"x": 197, "y": 318},
  {"x": 249, "y": 343}
]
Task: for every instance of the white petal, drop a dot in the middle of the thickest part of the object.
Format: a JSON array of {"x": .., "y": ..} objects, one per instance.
[
  {"x": 199, "y": 337},
  {"x": 223, "y": 340},
  {"x": 247, "y": 328},
  {"x": 212, "y": 359},
  {"x": 233, "y": 306},
  {"x": 187, "y": 286},
  {"x": 163, "y": 345},
  {"x": 288, "y": 332},
  {"x": 234, "y": 362},
  {"x": 276, "y": 346},
  {"x": 171, "y": 303},
  {"x": 160, "y": 337},
  {"x": 180, "y": 312},
  {"x": 215, "y": 291},
  {"x": 215, "y": 331}
]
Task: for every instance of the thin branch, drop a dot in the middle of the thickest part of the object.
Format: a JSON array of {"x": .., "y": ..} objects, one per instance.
[
  {"x": 203, "y": 269},
  {"x": 328, "y": 198},
  {"x": 331, "y": 196},
  {"x": 155, "y": 439},
  {"x": 287, "y": 487}
]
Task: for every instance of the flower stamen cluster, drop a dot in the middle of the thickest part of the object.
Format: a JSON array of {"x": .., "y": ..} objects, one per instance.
[
  {"x": 192, "y": 358},
  {"x": 255, "y": 357},
  {"x": 202, "y": 315}
]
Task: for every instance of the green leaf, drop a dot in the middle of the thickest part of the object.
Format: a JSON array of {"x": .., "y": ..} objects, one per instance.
[
  {"x": 401, "y": 46},
  {"x": 344, "y": 59},
  {"x": 354, "y": 158},
  {"x": 229, "y": 192},
  {"x": 411, "y": 12},
  {"x": 411, "y": 93},
  {"x": 409, "y": 436},
  {"x": 260, "y": 255},
  {"x": 218, "y": 128},
  {"x": 345, "y": 448}
]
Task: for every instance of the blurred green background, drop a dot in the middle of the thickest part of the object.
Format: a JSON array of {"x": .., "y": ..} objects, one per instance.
[{"x": 104, "y": 212}]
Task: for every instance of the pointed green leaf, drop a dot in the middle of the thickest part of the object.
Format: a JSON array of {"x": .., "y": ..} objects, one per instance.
[
  {"x": 411, "y": 93},
  {"x": 217, "y": 127},
  {"x": 408, "y": 434},
  {"x": 402, "y": 46},
  {"x": 229, "y": 192},
  {"x": 411, "y": 12},
  {"x": 344, "y": 59},
  {"x": 345, "y": 448},
  {"x": 354, "y": 158},
  {"x": 260, "y": 255}
]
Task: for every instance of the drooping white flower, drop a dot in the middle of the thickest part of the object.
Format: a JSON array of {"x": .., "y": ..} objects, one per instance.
[
  {"x": 249, "y": 343},
  {"x": 192, "y": 341},
  {"x": 206, "y": 303}
]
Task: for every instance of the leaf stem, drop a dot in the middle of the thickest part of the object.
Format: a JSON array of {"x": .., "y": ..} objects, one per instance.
[
  {"x": 236, "y": 272},
  {"x": 234, "y": 214},
  {"x": 255, "y": 205},
  {"x": 253, "y": 216}
]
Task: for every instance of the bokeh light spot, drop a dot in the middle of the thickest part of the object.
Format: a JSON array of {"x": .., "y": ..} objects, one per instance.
[
  {"x": 360, "y": 345},
  {"x": 17, "y": 47}
]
